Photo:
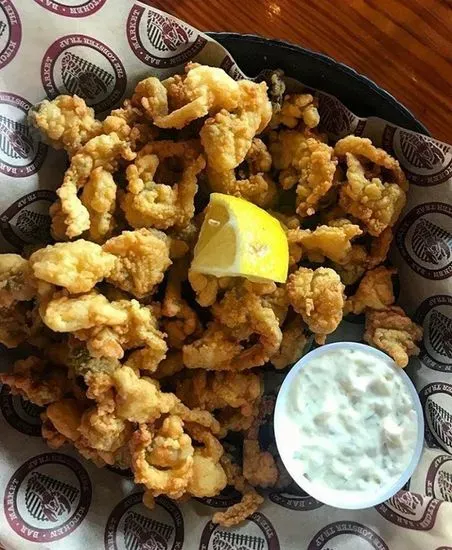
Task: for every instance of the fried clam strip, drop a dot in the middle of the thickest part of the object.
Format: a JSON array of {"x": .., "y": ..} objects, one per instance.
[
  {"x": 294, "y": 340},
  {"x": 162, "y": 205},
  {"x": 207, "y": 287},
  {"x": 374, "y": 291},
  {"x": 306, "y": 162},
  {"x": 331, "y": 241},
  {"x": 251, "y": 181},
  {"x": 65, "y": 122},
  {"x": 77, "y": 266},
  {"x": 375, "y": 190},
  {"x": 220, "y": 390},
  {"x": 227, "y": 137},
  {"x": 142, "y": 258},
  {"x": 227, "y": 344},
  {"x": 203, "y": 90},
  {"x": 296, "y": 108},
  {"x": 180, "y": 321},
  {"x": 250, "y": 502},
  {"x": 37, "y": 380},
  {"x": 103, "y": 151},
  {"x": 318, "y": 296},
  {"x": 392, "y": 331},
  {"x": 16, "y": 280}
]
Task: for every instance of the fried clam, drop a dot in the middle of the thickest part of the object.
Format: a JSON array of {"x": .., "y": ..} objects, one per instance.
[
  {"x": 76, "y": 266},
  {"x": 180, "y": 321},
  {"x": 375, "y": 291},
  {"x": 228, "y": 343},
  {"x": 392, "y": 331},
  {"x": 294, "y": 340},
  {"x": 250, "y": 180},
  {"x": 65, "y": 122},
  {"x": 141, "y": 260},
  {"x": 318, "y": 296},
  {"x": 227, "y": 137},
  {"x": 375, "y": 189},
  {"x": 305, "y": 162},
  {"x": 148, "y": 203},
  {"x": 102, "y": 151},
  {"x": 16, "y": 280},
  {"x": 201, "y": 91},
  {"x": 296, "y": 108}
]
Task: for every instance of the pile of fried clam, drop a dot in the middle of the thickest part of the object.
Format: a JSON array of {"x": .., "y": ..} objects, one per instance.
[{"x": 142, "y": 364}]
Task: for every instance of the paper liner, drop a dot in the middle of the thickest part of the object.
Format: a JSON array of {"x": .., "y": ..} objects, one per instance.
[{"x": 59, "y": 500}]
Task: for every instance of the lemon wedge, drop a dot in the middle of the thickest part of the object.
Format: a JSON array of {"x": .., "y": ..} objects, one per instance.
[{"x": 239, "y": 239}]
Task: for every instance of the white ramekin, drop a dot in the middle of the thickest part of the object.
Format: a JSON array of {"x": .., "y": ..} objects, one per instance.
[{"x": 352, "y": 500}]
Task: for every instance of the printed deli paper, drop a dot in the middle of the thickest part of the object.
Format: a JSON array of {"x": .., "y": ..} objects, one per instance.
[{"x": 57, "y": 499}]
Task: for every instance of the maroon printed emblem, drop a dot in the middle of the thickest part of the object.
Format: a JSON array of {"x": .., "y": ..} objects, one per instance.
[
  {"x": 20, "y": 414},
  {"x": 228, "y": 497},
  {"x": 424, "y": 238},
  {"x": 256, "y": 534},
  {"x": 72, "y": 8},
  {"x": 336, "y": 119},
  {"x": 410, "y": 510},
  {"x": 230, "y": 66},
  {"x": 27, "y": 220},
  {"x": 21, "y": 154},
  {"x": 10, "y": 32},
  {"x": 425, "y": 161},
  {"x": 82, "y": 65},
  {"x": 438, "y": 482},
  {"x": 294, "y": 498},
  {"x": 436, "y": 399},
  {"x": 132, "y": 526},
  {"x": 339, "y": 535},
  {"x": 435, "y": 315},
  {"x": 47, "y": 498},
  {"x": 159, "y": 40}
]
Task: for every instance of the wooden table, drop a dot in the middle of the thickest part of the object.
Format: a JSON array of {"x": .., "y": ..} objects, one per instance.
[{"x": 405, "y": 46}]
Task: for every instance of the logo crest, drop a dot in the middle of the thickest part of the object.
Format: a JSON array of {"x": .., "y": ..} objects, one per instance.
[
  {"x": 10, "y": 32},
  {"x": 79, "y": 64},
  {"x": 438, "y": 481},
  {"x": 410, "y": 510},
  {"x": 424, "y": 239},
  {"x": 20, "y": 413},
  {"x": 336, "y": 119},
  {"x": 160, "y": 40},
  {"x": 132, "y": 526},
  {"x": 47, "y": 498},
  {"x": 21, "y": 154},
  {"x": 436, "y": 399}
]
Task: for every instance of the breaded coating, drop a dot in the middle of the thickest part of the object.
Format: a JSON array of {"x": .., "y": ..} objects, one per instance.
[
  {"x": 294, "y": 340},
  {"x": 142, "y": 257},
  {"x": 259, "y": 467},
  {"x": 99, "y": 198},
  {"x": 77, "y": 266},
  {"x": 16, "y": 280},
  {"x": 65, "y": 122},
  {"x": 318, "y": 296},
  {"x": 393, "y": 332},
  {"x": 375, "y": 291}
]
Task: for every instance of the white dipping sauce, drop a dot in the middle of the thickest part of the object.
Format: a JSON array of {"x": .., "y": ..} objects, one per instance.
[{"x": 353, "y": 421}]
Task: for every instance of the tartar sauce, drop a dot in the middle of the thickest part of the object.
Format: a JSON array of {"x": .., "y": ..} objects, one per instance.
[{"x": 353, "y": 421}]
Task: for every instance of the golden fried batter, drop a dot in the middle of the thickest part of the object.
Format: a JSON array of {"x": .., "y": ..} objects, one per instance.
[
  {"x": 374, "y": 291},
  {"x": 16, "y": 281},
  {"x": 318, "y": 296}
]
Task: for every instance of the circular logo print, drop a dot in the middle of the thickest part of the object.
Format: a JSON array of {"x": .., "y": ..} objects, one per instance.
[
  {"x": 424, "y": 239},
  {"x": 72, "y": 8},
  {"x": 81, "y": 65},
  {"x": 436, "y": 399},
  {"x": 47, "y": 498},
  {"x": 19, "y": 413},
  {"x": 337, "y": 119},
  {"x": 21, "y": 154},
  {"x": 10, "y": 32},
  {"x": 256, "y": 534},
  {"x": 294, "y": 498},
  {"x": 132, "y": 526},
  {"x": 228, "y": 497},
  {"x": 347, "y": 535},
  {"x": 410, "y": 510},
  {"x": 435, "y": 315},
  {"x": 160, "y": 40},
  {"x": 27, "y": 220},
  {"x": 230, "y": 66},
  {"x": 426, "y": 161},
  {"x": 438, "y": 482}
]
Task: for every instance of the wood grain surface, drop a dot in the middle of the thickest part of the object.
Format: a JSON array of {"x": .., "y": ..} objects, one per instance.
[{"x": 405, "y": 46}]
